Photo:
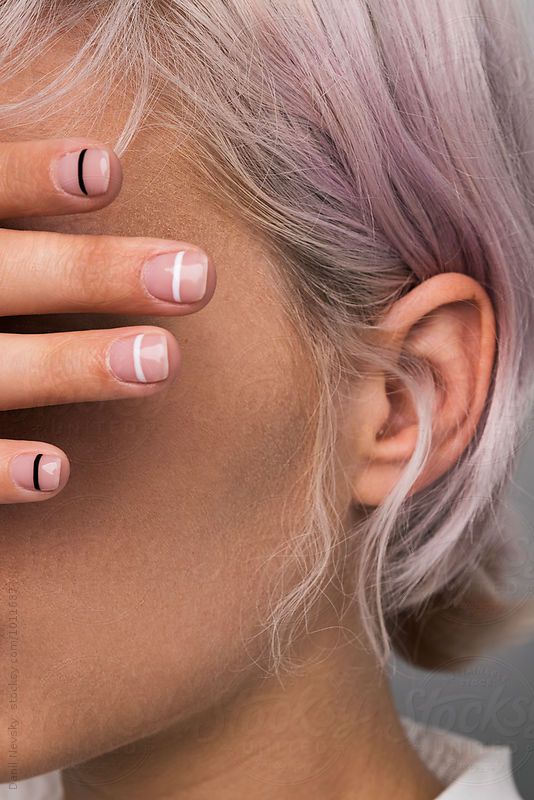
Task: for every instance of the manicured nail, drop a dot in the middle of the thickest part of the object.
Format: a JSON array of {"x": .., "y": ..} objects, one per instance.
[
  {"x": 142, "y": 358},
  {"x": 36, "y": 471},
  {"x": 179, "y": 277},
  {"x": 85, "y": 172}
]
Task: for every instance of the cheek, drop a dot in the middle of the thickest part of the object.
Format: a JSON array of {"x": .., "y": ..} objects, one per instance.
[
  {"x": 136, "y": 590},
  {"x": 148, "y": 575},
  {"x": 228, "y": 486}
]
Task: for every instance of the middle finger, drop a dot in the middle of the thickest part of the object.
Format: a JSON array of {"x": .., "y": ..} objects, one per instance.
[{"x": 42, "y": 272}]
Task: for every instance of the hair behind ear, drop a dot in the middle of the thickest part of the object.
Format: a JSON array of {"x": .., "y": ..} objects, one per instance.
[{"x": 453, "y": 628}]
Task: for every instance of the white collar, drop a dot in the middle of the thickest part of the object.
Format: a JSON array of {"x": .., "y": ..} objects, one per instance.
[{"x": 469, "y": 769}]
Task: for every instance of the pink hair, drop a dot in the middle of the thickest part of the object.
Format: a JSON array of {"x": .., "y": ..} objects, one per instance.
[{"x": 373, "y": 145}]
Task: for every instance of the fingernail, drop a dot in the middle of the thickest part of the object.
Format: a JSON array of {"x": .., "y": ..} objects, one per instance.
[
  {"x": 142, "y": 358},
  {"x": 85, "y": 172},
  {"x": 36, "y": 471},
  {"x": 179, "y": 277}
]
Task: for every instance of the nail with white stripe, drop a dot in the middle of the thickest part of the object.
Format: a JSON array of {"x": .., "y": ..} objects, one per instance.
[
  {"x": 178, "y": 277},
  {"x": 141, "y": 358}
]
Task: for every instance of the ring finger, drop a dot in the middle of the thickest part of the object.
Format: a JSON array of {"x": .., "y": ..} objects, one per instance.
[{"x": 82, "y": 366}]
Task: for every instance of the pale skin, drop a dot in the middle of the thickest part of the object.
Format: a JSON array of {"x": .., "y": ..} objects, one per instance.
[{"x": 139, "y": 580}]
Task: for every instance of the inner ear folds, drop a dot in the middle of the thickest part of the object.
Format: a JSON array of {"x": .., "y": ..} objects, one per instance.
[
  {"x": 389, "y": 448},
  {"x": 402, "y": 413},
  {"x": 446, "y": 328}
]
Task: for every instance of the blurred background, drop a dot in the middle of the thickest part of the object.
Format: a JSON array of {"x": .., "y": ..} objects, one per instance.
[{"x": 491, "y": 700}]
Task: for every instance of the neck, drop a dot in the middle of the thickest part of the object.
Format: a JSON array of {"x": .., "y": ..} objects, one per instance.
[{"x": 328, "y": 731}]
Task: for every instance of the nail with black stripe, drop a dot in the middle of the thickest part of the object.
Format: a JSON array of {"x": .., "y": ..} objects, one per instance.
[
  {"x": 84, "y": 173},
  {"x": 36, "y": 462},
  {"x": 80, "y": 170},
  {"x": 36, "y": 472}
]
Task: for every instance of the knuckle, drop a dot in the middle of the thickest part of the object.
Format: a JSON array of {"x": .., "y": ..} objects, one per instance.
[
  {"x": 94, "y": 271},
  {"x": 62, "y": 365},
  {"x": 21, "y": 251},
  {"x": 15, "y": 177},
  {"x": 81, "y": 271},
  {"x": 75, "y": 360}
]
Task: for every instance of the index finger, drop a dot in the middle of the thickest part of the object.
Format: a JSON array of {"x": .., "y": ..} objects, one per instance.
[{"x": 57, "y": 176}]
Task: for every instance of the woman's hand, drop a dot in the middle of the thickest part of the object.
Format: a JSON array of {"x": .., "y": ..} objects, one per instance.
[{"x": 44, "y": 273}]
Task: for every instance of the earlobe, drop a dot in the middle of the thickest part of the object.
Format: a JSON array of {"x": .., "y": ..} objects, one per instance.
[{"x": 447, "y": 323}]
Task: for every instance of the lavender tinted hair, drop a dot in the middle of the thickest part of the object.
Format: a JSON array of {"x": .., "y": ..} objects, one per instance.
[{"x": 372, "y": 145}]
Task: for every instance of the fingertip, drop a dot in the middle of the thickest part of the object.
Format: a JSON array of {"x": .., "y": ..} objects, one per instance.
[
  {"x": 115, "y": 176},
  {"x": 174, "y": 355}
]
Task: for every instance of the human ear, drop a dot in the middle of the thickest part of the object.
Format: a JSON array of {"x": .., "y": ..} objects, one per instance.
[{"x": 448, "y": 322}]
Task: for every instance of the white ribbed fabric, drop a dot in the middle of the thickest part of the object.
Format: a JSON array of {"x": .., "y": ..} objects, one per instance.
[{"x": 469, "y": 769}]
